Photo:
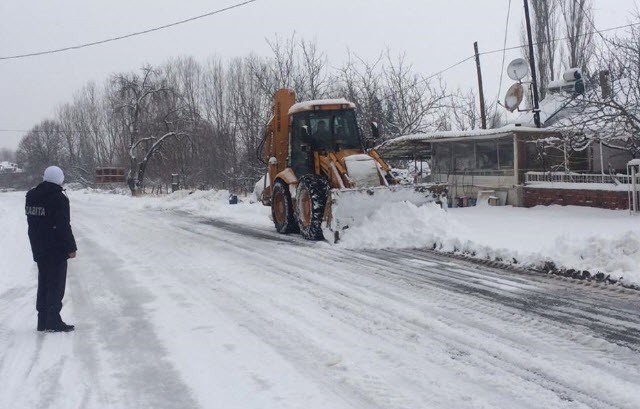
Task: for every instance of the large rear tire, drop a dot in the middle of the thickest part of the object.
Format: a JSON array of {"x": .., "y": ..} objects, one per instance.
[
  {"x": 282, "y": 209},
  {"x": 311, "y": 199}
]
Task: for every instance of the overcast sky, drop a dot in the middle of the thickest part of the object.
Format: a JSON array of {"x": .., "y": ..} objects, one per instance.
[{"x": 433, "y": 34}]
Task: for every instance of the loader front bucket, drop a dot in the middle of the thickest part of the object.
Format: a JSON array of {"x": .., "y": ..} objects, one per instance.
[{"x": 350, "y": 207}]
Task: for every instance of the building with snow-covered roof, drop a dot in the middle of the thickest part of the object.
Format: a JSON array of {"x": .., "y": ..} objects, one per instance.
[
  {"x": 505, "y": 160},
  {"x": 478, "y": 160}
]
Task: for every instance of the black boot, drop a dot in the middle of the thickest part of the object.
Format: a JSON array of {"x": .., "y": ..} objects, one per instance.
[
  {"x": 41, "y": 322},
  {"x": 61, "y": 327},
  {"x": 55, "y": 324}
]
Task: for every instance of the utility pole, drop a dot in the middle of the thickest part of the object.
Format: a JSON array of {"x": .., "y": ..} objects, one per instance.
[
  {"x": 532, "y": 64},
  {"x": 483, "y": 112}
]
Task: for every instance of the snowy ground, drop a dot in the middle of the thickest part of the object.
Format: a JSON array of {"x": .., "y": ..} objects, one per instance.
[{"x": 189, "y": 303}]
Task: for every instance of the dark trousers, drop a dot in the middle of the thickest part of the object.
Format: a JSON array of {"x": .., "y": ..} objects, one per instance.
[{"x": 52, "y": 280}]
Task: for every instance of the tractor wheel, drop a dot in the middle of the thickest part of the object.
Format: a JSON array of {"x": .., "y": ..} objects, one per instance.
[
  {"x": 281, "y": 208},
  {"x": 311, "y": 199}
]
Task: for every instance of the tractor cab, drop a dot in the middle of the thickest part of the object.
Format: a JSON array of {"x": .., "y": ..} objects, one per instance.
[{"x": 315, "y": 130}]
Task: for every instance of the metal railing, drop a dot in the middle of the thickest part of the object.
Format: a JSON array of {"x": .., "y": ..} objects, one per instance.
[{"x": 568, "y": 177}]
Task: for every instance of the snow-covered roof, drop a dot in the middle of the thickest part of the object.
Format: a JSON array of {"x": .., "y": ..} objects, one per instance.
[
  {"x": 476, "y": 133},
  {"x": 634, "y": 162},
  {"x": 408, "y": 145},
  {"x": 309, "y": 105}
]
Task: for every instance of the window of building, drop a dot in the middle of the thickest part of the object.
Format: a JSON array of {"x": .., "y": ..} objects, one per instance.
[
  {"x": 505, "y": 154},
  {"x": 442, "y": 158},
  {"x": 486, "y": 155},
  {"x": 464, "y": 156}
]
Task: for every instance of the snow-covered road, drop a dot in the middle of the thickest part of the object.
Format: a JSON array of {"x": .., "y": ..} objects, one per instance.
[{"x": 177, "y": 311}]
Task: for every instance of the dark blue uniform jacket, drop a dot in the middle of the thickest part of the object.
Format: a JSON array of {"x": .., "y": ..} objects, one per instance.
[{"x": 48, "y": 215}]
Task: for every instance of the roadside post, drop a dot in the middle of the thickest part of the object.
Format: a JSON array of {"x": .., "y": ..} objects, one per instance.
[
  {"x": 633, "y": 170},
  {"x": 175, "y": 182}
]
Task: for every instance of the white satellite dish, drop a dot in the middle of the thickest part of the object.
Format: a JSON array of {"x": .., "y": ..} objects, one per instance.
[
  {"x": 518, "y": 69},
  {"x": 514, "y": 97}
]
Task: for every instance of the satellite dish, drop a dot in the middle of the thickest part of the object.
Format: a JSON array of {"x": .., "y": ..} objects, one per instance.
[
  {"x": 518, "y": 69},
  {"x": 514, "y": 97}
]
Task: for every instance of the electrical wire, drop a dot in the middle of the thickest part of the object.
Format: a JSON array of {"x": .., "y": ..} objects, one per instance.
[
  {"x": 122, "y": 37},
  {"x": 562, "y": 38},
  {"x": 504, "y": 45},
  {"x": 599, "y": 32},
  {"x": 423, "y": 80},
  {"x": 43, "y": 131}
]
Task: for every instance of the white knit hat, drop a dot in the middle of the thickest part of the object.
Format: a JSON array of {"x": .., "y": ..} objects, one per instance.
[{"x": 53, "y": 174}]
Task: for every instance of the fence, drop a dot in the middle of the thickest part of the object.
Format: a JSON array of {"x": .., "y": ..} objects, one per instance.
[{"x": 564, "y": 177}]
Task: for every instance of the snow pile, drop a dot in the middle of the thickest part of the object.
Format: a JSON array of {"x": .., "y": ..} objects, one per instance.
[
  {"x": 211, "y": 203},
  {"x": 259, "y": 187},
  {"x": 596, "y": 240},
  {"x": 618, "y": 255},
  {"x": 402, "y": 224}
]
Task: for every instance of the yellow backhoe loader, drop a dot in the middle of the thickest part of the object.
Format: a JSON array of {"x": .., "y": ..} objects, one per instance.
[{"x": 321, "y": 178}]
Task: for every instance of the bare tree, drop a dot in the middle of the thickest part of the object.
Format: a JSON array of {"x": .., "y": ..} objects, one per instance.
[
  {"x": 360, "y": 81},
  {"x": 609, "y": 112},
  {"x": 221, "y": 151},
  {"x": 143, "y": 97},
  {"x": 465, "y": 113},
  {"x": 311, "y": 78},
  {"x": 577, "y": 15},
  {"x": 414, "y": 102},
  {"x": 41, "y": 147},
  {"x": 544, "y": 26}
]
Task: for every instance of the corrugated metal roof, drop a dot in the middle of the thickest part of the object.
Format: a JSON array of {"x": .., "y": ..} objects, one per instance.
[{"x": 417, "y": 145}]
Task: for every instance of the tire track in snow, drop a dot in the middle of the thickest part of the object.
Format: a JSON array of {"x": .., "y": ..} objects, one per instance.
[
  {"x": 548, "y": 383},
  {"x": 115, "y": 339}
]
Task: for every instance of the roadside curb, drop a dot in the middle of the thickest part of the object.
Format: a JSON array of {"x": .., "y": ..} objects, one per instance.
[{"x": 582, "y": 277}]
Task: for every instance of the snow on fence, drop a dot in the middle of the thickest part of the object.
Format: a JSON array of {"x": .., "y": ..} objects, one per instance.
[{"x": 564, "y": 177}]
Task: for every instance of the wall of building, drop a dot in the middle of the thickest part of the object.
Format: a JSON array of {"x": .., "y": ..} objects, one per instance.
[
  {"x": 613, "y": 159},
  {"x": 604, "y": 199},
  {"x": 469, "y": 185}
]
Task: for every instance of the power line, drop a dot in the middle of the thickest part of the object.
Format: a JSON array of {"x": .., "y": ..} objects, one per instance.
[
  {"x": 61, "y": 131},
  {"x": 599, "y": 32},
  {"x": 449, "y": 67},
  {"x": 504, "y": 45},
  {"x": 504, "y": 49},
  {"x": 122, "y": 37},
  {"x": 553, "y": 40},
  {"x": 516, "y": 47},
  {"x": 423, "y": 80}
]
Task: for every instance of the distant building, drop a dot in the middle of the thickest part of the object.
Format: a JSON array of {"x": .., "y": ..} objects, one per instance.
[
  {"x": 11, "y": 176},
  {"x": 9, "y": 167}
]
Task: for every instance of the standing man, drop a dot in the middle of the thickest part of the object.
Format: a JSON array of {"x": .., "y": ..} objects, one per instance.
[{"x": 52, "y": 243}]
